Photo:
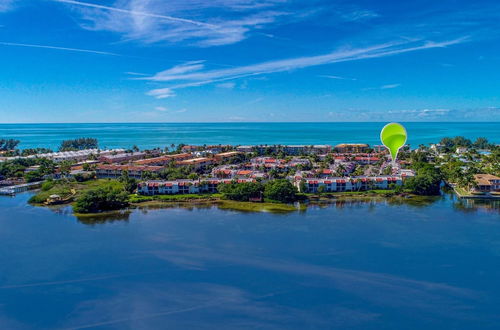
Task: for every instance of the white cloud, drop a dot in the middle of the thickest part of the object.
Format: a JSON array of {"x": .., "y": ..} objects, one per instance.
[
  {"x": 201, "y": 77},
  {"x": 336, "y": 77},
  {"x": 212, "y": 23},
  {"x": 137, "y": 13},
  {"x": 130, "y": 73},
  {"x": 163, "y": 109},
  {"x": 79, "y": 50},
  {"x": 359, "y": 15},
  {"x": 390, "y": 86},
  {"x": 161, "y": 93},
  {"x": 227, "y": 85},
  {"x": 6, "y": 5}
]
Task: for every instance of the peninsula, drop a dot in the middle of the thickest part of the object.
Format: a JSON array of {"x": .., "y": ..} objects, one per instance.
[{"x": 95, "y": 180}]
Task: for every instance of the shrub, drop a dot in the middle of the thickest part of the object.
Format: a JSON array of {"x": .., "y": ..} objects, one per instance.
[
  {"x": 241, "y": 191},
  {"x": 427, "y": 181},
  {"x": 281, "y": 191},
  {"x": 101, "y": 199},
  {"x": 47, "y": 185}
]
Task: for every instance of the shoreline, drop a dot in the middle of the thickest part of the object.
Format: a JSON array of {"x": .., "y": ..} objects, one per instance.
[{"x": 256, "y": 207}]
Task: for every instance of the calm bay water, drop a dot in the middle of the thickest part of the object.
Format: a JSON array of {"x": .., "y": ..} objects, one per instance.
[
  {"x": 163, "y": 134},
  {"x": 357, "y": 265}
]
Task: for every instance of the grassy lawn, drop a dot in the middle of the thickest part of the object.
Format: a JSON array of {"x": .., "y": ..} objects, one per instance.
[
  {"x": 461, "y": 191},
  {"x": 258, "y": 207},
  {"x": 72, "y": 190}
]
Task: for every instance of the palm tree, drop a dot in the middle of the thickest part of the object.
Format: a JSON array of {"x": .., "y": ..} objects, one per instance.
[{"x": 341, "y": 169}]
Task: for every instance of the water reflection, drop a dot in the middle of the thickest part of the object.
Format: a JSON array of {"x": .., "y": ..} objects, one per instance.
[
  {"x": 370, "y": 204},
  {"x": 473, "y": 205},
  {"x": 104, "y": 217},
  {"x": 345, "y": 264}
]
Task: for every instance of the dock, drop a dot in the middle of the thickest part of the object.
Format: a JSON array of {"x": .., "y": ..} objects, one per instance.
[{"x": 12, "y": 190}]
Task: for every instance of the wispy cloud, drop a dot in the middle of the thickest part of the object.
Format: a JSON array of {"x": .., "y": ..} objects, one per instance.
[
  {"x": 390, "y": 86},
  {"x": 336, "y": 77},
  {"x": 161, "y": 93},
  {"x": 131, "y": 73},
  {"x": 137, "y": 13},
  {"x": 358, "y": 15},
  {"x": 91, "y": 51},
  {"x": 427, "y": 114},
  {"x": 6, "y": 5},
  {"x": 154, "y": 21},
  {"x": 227, "y": 85},
  {"x": 201, "y": 77}
]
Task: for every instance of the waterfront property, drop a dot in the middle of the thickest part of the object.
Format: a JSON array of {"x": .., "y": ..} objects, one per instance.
[
  {"x": 293, "y": 150},
  {"x": 121, "y": 157},
  {"x": 312, "y": 185},
  {"x": 12, "y": 190},
  {"x": 487, "y": 183},
  {"x": 196, "y": 163},
  {"x": 78, "y": 155},
  {"x": 115, "y": 171},
  {"x": 160, "y": 187},
  {"x": 226, "y": 156},
  {"x": 351, "y": 147},
  {"x": 163, "y": 160}
]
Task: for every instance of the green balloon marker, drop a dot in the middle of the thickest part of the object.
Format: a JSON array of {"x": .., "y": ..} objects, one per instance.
[{"x": 393, "y": 136}]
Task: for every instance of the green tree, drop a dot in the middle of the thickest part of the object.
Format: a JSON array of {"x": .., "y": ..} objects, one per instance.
[
  {"x": 78, "y": 144},
  {"x": 427, "y": 180},
  {"x": 65, "y": 167},
  {"x": 280, "y": 190},
  {"x": 241, "y": 191},
  {"x": 101, "y": 199},
  {"x": 8, "y": 144},
  {"x": 33, "y": 176},
  {"x": 482, "y": 143}
]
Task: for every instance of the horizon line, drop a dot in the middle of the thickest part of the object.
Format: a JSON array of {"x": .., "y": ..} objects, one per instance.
[{"x": 248, "y": 122}]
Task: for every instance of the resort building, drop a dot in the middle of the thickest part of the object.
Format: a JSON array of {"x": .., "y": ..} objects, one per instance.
[
  {"x": 226, "y": 155},
  {"x": 115, "y": 171},
  {"x": 163, "y": 160},
  {"x": 156, "y": 187},
  {"x": 487, "y": 182},
  {"x": 293, "y": 150},
  {"x": 197, "y": 163},
  {"x": 312, "y": 185},
  {"x": 245, "y": 148},
  {"x": 79, "y": 155},
  {"x": 191, "y": 148},
  {"x": 121, "y": 157},
  {"x": 351, "y": 147}
]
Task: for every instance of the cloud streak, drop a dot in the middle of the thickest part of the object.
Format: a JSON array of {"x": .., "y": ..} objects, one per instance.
[
  {"x": 138, "y": 13},
  {"x": 156, "y": 21},
  {"x": 186, "y": 75},
  {"x": 79, "y": 50},
  {"x": 6, "y": 5}
]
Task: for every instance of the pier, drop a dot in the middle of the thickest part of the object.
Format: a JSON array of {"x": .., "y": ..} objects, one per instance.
[{"x": 12, "y": 190}]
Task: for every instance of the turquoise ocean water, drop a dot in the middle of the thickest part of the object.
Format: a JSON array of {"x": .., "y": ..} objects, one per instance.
[{"x": 148, "y": 135}]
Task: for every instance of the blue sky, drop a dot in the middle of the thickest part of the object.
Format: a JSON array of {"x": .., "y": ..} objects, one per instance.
[{"x": 249, "y": 60}]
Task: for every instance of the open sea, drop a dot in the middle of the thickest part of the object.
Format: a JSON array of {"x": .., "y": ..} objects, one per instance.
[{"x": 150, "y": 135}]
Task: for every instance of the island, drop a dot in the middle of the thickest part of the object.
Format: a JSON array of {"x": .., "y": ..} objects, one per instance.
[{"x": 250, "y": 178}]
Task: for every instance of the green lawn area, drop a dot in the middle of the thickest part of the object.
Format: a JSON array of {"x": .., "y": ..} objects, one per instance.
[
  {"x": 461, "y": 191},
  {"x": 70, "y": 189},
  {"x": 258, "y": 207}
]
